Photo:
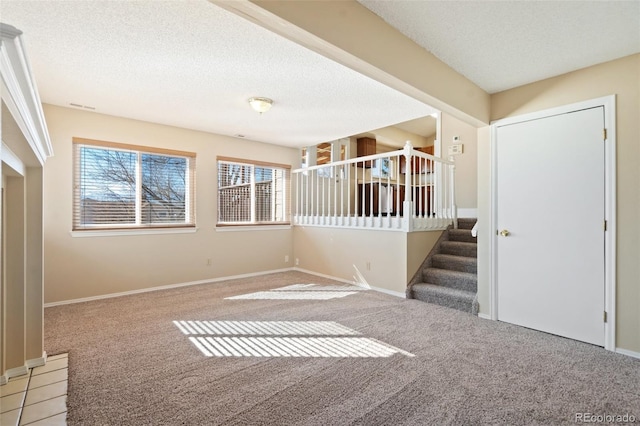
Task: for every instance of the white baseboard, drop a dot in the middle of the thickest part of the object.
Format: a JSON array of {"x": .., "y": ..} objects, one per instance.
[
  {"x": 211, "y": 281},
  {"x": 628, "y": 353},
  {"x": 352, "y": 282},
  {"x": 163, "y": 287},
  {"x": 468, "y": 213},
  {"x": 36, "y": 362},
  {"x": 484, "y": 316},
  {"x": 390, "y": 292},
  {"x": 318, "y": 274}
]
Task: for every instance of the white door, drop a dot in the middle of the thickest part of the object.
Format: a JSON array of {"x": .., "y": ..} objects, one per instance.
[{"x": 551, "y": 204}]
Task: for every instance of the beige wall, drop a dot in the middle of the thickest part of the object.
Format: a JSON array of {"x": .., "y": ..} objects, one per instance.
[
  {"x": 466, "y": 163},
  {"x": 419, "y": 244},
  {"x": 386, "y": 259},
  {"x": 13, "y": 280},
  {"x": 622, "y": 78},
  {"x": 78, "y": 267},
  {"x": 335, "y": 252},
  {"x": 394, "y": 138},
  {"x": 34, "y": 264}
]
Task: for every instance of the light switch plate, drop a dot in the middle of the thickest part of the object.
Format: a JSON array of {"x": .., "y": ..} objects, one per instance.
[{"x": 455, "y": 149}]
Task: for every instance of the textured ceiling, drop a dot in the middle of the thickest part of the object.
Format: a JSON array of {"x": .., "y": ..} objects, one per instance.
[
  {"x": 504, "y": 44},
  {"x": 191, "y": 64},
  {"x": 194, "y": 65}
]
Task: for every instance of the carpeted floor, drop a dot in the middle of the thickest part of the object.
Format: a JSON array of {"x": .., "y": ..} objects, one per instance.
[{"x": 129, "y": 364}]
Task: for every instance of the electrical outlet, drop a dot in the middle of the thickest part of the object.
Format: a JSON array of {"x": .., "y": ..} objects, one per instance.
[
  {"x": 209, "y": 262},
  {"x": 368, "y": 266},
  {"x": 297, "y": 261},
  {"x": 286, "y": 259}
]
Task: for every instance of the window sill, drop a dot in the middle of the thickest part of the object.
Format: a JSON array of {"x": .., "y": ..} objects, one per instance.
[
  {"x": 240, "y": 228},
  {"x": 136, "y": 231}
]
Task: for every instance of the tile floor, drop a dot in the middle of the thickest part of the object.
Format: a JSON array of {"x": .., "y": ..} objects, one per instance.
[{"x": 38, "y": 398}]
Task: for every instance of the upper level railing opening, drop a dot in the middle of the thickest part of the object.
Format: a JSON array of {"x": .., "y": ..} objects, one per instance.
[{"x": 405, "y": 190}]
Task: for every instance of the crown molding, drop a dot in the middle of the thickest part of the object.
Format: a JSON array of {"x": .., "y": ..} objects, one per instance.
[{"x": 20, "y": 93}]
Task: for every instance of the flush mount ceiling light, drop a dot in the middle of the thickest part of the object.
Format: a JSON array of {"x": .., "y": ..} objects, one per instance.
[{"x": 260, "y": 104}]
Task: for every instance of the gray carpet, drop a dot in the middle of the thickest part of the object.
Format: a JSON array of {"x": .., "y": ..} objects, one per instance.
[
  {"x": 449, "y": 274},
  {"x": 130, "y": 365}
]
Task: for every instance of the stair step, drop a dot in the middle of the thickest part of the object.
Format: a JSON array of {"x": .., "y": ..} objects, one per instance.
[
  {"x": 463, "y": 235},
  {"x": 444, "y": 296},
  {"x": 459, "y": 248},
  {"x": 466, "y": 223},
  {"x": 455, "y": 263},
  {"x": 452, "y": 279}
]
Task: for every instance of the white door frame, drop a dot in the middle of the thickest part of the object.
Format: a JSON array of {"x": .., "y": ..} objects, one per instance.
[{"x": 609, "y": 104}]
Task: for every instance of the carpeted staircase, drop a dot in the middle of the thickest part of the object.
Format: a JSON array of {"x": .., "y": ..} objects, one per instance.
[{"x": 449, "y": 274}]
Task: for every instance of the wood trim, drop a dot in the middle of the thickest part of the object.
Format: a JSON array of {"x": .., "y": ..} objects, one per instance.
[
  {"x": 132, "y": 227},
  {"x": 142, "y": 148},
  {"x": 253, "y": 162},
  {"x": 226, "y": 224}
]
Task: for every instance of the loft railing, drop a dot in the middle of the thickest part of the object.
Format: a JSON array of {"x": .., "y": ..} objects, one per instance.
[{"x": 404, "y": 190}]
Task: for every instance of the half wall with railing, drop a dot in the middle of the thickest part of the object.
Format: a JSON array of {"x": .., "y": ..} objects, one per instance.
[{"x": 405, "y": 190}]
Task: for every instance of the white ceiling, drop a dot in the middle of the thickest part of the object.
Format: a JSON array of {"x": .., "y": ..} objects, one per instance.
[
  {"x": 504, "y": 44},
  {"x": 192, "y": 64}
]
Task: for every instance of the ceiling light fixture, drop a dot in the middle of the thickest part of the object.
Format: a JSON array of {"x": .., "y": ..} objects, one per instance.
[{"x": 260, "y": 104}]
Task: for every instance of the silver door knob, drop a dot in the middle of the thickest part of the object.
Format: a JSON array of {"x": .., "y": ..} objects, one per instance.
[{"x": 505, "y": 233}]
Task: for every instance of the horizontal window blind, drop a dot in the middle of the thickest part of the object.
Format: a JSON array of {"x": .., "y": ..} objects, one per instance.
[
  {"x": 124, "y": 186},
  {"x": 252, "y": 192}
]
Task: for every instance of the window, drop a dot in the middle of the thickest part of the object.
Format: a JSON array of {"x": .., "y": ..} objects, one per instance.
[
  {"x": 118, "y": 186},
  {"x": 252, "y": 193}
]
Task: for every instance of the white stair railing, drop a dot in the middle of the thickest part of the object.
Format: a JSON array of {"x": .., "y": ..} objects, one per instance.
[{"x": 404, "y": 190}]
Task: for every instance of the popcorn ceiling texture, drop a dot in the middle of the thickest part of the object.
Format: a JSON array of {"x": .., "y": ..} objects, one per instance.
[
  {"x": 504, "y": 44},
  {"x": 193, "y": 64}
]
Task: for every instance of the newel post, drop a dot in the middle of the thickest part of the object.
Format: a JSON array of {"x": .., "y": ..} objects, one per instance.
[{"x": 407, "y": 205}]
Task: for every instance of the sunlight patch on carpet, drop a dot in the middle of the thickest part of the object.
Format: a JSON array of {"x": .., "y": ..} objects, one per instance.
[
  {"x": 318, "y": 287},
  {"x": 265, "y": 328},
  {"x": 316, "y": 339},
  {"x": 293, "y": 295},
  {"x": 302, "y": 292}
]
